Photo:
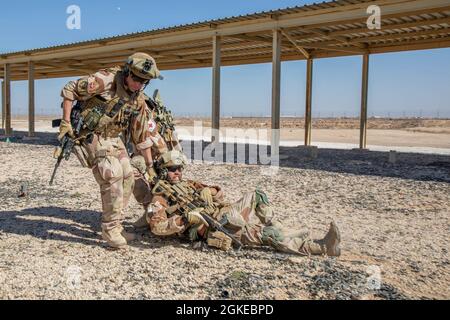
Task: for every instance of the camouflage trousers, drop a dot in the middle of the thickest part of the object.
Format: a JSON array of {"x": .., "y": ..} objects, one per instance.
[
  {"x": 113, "y": 172},
  {"x": 142, "y": 190},
  {"x": 252, "y": 219}
]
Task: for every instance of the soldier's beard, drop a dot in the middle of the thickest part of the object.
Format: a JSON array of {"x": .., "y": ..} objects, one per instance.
[{"x": 175, "y": 180}]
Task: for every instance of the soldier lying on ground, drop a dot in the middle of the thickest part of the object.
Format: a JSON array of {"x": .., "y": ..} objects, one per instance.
[{"x": 251, "y": 219}]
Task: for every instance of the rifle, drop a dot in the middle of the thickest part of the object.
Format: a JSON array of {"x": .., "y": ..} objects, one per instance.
[
  {"x": 163, "y": 117},
  {"x": 187, "y": 202},
  {"x": 67, "y": 143}
]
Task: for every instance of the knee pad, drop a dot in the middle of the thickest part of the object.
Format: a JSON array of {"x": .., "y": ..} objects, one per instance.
[
  {"x": 271, "y": 234},
  {"x": 108, "y": 169},
  {"x": 138, "y": 163}
]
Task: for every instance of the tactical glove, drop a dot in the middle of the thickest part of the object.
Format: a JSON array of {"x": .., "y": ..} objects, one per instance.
[
  {"x": 194, "y": 218},
  {"x": 206, "y": 196},
  {"x": 219, "y": 240},
  {"x": 65, "y": 128},
  {"x": 151, "y": 174}
]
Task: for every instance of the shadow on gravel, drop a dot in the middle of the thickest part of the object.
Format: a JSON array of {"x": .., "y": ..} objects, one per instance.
[
  {"x": 146, "y": 240},
  {"x": 323, "y": 278},
  {"x": 415, "y": 166},
  {"x": 40, "y": 139},
  {"x": 335, "y": 281},
  {"x": 34, "y": 222}
]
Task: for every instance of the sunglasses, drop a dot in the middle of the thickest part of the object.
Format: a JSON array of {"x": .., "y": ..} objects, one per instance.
[
  {"x": 174, "y": 169},
  {"x": 138, "y": 79}
]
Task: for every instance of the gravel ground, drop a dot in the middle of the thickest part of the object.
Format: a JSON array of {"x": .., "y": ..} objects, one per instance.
[{"x": 394, "y": 221}]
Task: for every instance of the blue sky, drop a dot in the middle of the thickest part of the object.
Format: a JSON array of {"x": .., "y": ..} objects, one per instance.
[{"x": 412, "y": 84}]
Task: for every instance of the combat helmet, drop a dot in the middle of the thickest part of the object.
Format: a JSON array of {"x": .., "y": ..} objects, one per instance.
[
  {"x": 173, "y": 158},
  {"x": 143, "y": 66}
]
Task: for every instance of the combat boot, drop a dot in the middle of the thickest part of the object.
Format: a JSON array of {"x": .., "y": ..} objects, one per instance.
[
  {"x": 129, "y": 236},
  {"x": 142, "y": 221},
  {"x": 330, "y": 243},
  {"x": 114, "y": 237}
]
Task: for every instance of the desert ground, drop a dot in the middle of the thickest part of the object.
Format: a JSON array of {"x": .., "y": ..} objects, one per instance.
[
  {"x": 393, "y": 217},
  {"x": 412, "y": 134}
]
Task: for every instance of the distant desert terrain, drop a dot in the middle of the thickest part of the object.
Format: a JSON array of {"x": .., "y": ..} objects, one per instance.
[{"x": 421, "y": 133}]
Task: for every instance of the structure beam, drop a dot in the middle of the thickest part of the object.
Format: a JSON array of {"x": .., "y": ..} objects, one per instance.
[
  {"x": 66, "y": 66},
  {"x": 325, "y": 45},
  {"x": 216, "y": 62},
  {"x": 7, "y": 99},
  {"x": 341, "y": 39},
  {"x": 308, "y": 104},
  {"x": 388, "y": 27},
  {"x": 3, "y": 104},
  {"x": 31, "y": 99},
  {"x": 276, "y": 79},
  {"x": 299, "y": 48},
  {"x": 364, "y": 94}
]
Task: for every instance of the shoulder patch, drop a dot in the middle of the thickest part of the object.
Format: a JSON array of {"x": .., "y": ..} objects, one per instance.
[
  {"x": 156, "y": 206},
  {"x": 151, "y": 125},
  {"x": 93, "y": 85},
  {"x": 82, "y": 85}
]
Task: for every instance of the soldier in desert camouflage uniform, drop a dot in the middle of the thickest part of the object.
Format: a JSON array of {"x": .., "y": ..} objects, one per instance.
[
  {"x": 162, "y": 123},
  {"x": 114, "y": 108},
  {"x": 251, "y": 219}
]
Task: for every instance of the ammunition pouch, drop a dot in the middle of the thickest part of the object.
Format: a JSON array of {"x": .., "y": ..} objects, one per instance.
[
  {"x": 102, "y": 116},
  {"x": 219, "y": 240},
  {"x": 93, "y": 118},
  {"x": 104, "y": 153}
]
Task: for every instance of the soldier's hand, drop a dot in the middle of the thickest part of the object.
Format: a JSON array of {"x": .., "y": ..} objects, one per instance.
[
  {"x": 206, "y": 196},
  {"x": 65, "y": 128},
  {"x": 151, "y": 174},
  {"x": 195, "y": 217}
]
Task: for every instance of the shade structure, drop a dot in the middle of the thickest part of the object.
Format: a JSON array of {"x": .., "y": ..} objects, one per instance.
[{"x": 329, "y": 29}]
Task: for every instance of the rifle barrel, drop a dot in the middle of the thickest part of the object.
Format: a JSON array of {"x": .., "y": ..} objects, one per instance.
[{"x": 58, "y": 162}]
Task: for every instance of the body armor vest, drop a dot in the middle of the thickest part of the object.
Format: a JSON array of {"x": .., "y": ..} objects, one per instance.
[{"x": 107, "y": 118}]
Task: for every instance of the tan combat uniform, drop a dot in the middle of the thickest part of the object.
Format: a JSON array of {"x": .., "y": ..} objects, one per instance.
[
  {"x": 106, "y": 154},
  {"x": 250, "y": 219},
  {"x": 142, "y": 188}
]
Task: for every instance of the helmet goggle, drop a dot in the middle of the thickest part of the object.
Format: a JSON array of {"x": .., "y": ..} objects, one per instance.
[
  {"x": 139, "y": 79},
  {"x": 174, "y": 168}
]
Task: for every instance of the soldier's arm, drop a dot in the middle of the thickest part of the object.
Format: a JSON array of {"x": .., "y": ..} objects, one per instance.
[
  {"x": 89, "y": 86},
  {"x": 216, "y": 191},
  {"x": 160, "y": 224},
  {"x": 144, "y": 135},
  {"x": 67, "y": 108}
]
